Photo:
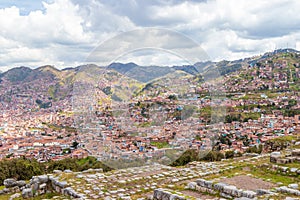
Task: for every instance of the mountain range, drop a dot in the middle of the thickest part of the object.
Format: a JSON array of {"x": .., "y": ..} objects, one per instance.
[
  {"x": 127, "y": 77},
  {"x": 140, "y": 73}
]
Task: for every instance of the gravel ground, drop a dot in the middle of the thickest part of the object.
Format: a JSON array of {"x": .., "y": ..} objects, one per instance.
[
  {"x": 248, "y": 182},
  {"x": 198, "y": 195}
]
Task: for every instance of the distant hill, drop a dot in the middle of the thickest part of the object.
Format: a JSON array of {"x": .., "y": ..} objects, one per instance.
[
  {"x": 131, "y": 70},
  {"x": 20, "y": 74},
  {"x": 140, "y": 73},
  {"x": 191, "y": 69},
  {"x": 123, "y": 68}
]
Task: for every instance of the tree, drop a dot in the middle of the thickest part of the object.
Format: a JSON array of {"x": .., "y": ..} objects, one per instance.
[
  {"x": 255, "y": 149},
  {"x": 188, "y": 156},
  {"x": 214, "y": 156},
  {"x": 75, "y": 144},
  {"x": 229, "y": 154},
  {"x": 292, "y": 102},
  {"x": 172, "y": 97}
]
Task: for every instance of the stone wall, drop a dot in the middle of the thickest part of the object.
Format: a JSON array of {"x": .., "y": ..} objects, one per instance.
[
  {"x": 277, "y": 157},
  {"x": 284, "y": 189},
  {"x": 12, "y": 186},
  {"x": 230, "y": 191},
  {"x": 164, "y": 194},
  {"x": 225, "y": 190},
  {"x": 42, "y": 184},
  {"x": 291, "y": 171}
]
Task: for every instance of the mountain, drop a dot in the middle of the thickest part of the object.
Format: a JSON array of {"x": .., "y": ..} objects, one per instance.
[
  {"x": 20, "y": 74},
  {"x": 191, "y": 69},
  {"x": 128, "y": 71},
  {"x": 122, "y": 68},
  {"x": 140, "y": 73},
  {"x": 48, "y": 69}
]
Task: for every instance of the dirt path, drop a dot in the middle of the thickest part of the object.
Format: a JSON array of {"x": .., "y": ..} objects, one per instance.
[
  {"x": 197, "y": 194},
  {"x": 248, "y": 183}
]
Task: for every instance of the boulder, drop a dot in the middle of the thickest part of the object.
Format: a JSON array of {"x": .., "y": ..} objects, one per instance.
[
  {"x": 6, "y": 190},
  {"x": 249, "y": 194},
  {"x": 293, "y": 186},
  {"x": 176, "y": 197},
  {"x": 192, "y": 185},
  {"x": 209, "y": 184},
  {"x": 56, "y": 171},
  {"x": 126, "y": 198},
  {"x": 294, "y": 170},
  {"x": 14, "y": 196},
  {"x": 285, "y": 189},
  {"x": 220, "y": 186},
  {"x": 290, "y": 198},
  {"x": 34, "y": 180},
  {"x": 296, "y": 152},
  {"x": 229, "y": 189},
  {"x": 200, "y": 182},
  {"x": 158, "y": 193},
  {"x": 27, "y": 193},
  {"x": 43, "y": 188},
  {"x": 62, "y": 184},
  {"x": 275, "y": 158},
  {"x": 275, "y": 153},
  {"x": 43, "y": 178},
  {"x": 10, "y": 182},
  {"x": 237, "y": 193},
  {"x": 14, "y": 189},
  {"x": 161, "y": 194},
  {"x": 34, "y": 186},
  {"x": 284, "y": 169},
  {"x": 68, "y": 191},
  {"x": 227, "y": 196},
  {"x": 263, "y": 192},
  {"x": 20, "y": 183}
]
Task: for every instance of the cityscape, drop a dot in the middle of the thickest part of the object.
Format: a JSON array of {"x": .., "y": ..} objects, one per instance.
[{"x": 149, "y": 100}]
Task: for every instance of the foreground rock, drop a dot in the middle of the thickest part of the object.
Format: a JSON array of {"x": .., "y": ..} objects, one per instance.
[{"x": 163, "y": 194}]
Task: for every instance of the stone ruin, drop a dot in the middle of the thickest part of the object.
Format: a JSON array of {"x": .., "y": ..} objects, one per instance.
[
  {"x": 39, "y": 185},
  {"x": 225, "y": 190},
  {"x": 279, "y": 158},
  {"x": 232, "y": 192},
  {"x": 162, "y": 194}
]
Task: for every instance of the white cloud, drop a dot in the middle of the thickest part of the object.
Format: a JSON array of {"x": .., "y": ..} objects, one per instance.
[
  {"x": 232, "y": 46},
  {"x": 30, "y": 39},
  {"x": 58, "y": 23},
  {"x": 64, "y": 32},
  {"x": 253, "y": 18},
  {"x": 54, "y": 34},
  {"x": 152, "y": 57},
  {"x": 148, "y": 38}
]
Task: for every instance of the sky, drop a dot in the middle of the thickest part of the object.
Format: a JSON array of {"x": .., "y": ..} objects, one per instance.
[{"x": 68, "y": 33}]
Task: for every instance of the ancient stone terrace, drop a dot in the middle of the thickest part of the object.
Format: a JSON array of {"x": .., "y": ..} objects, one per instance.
[{"x": 227, "y": 179}]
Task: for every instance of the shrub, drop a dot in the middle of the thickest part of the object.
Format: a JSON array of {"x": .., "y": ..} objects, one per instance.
[{"x": 229, "y": 154}]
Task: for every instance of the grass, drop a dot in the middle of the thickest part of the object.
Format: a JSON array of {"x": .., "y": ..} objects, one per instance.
[
  {"x": 287, "y": 138},
  {"x": 67, "y": 176},
  {"x": 291, "y": 165},
  {"x": 257, "y": 172},
  {"x": 58, "y": 128},
  {"x": 160, "y": 145},
  {"x": 251, "y": 115},
  {"x": 40, "y": 197},
  {"x": 274, "y": 177}
]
